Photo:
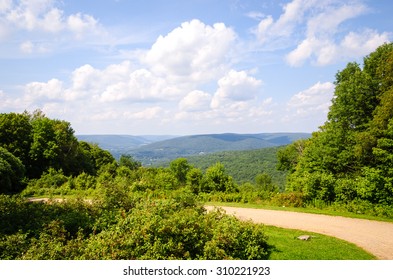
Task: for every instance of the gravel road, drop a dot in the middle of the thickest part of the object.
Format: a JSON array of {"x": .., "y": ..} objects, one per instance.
[{"x": 373, "y": 236}]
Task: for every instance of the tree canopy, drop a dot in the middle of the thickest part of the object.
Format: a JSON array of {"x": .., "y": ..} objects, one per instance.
[
  {"x": 350, "y": 156},
  {"x": 32, "y": 143}
]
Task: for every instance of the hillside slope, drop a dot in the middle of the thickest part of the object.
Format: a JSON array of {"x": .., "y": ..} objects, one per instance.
[
  {"x": 243, "y": 166},
  {"x": 209, "y": 143}
]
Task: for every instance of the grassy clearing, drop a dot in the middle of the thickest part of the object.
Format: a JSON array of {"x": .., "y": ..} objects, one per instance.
[
  {"x": 298, "y": 209},
  {"x": 286, "y": 246}
]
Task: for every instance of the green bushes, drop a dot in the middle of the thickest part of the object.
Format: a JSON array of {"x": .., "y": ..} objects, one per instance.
[
  {"x": 173, "y": 228},
  {"x": 12, "y": 172}
]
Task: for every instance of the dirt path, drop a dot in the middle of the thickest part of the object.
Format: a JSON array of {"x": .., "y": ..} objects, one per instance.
[{"x": 373, "y": 236}]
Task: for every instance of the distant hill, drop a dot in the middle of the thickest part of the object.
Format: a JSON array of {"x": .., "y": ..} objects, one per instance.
[
  {"x": 243, "y": 166},
  {"x": 152, "y": 149},
  {"x": 186, "y": 146},
  {"x": 122, "y": 144}
]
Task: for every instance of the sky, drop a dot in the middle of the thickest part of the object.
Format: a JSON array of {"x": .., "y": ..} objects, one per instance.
[{"x": 167, "y": 67}]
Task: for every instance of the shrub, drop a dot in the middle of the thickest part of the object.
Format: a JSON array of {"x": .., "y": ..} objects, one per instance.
[{"x": 289, "y": 199}]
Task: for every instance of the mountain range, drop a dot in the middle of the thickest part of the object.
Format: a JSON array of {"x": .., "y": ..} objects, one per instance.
[{"x": 150, "y": 149}]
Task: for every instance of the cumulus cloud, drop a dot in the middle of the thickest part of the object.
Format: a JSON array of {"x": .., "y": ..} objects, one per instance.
[
  {"x": 41, "y": 15},
  {"x": 236, "y": 86},
  {"x": 43, "y": 20},
  {"x": 154, "y": 90},
  {"x": 196, "y": 101},
  {"x": 314, "y": 100},
  {"x": 316, "y": 29},
  {"x": 193, "y": 51},
  {"x": 146, "y": 114},
  {"x": 53, "y": 89}
]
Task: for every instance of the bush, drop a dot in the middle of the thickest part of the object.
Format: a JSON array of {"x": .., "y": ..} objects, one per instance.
[
  {"x": 290, "y": 199},
  {"x": 169, "y": 229},
  {"x": 11, "y": 172}
]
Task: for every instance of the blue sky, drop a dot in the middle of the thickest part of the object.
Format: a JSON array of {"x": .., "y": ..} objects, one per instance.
[{"x": 183, "y": 67}]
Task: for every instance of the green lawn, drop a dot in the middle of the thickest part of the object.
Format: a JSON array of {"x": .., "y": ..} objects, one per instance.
[
  {"x": 286, "y": 246},
  {"x": 304, "y": 210}
]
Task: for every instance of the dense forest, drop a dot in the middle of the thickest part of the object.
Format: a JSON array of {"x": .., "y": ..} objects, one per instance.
[
  {"x": 103, "y": 208},
  {"x": 245, "y": 166},
  {"x": 350, "y": 158}
]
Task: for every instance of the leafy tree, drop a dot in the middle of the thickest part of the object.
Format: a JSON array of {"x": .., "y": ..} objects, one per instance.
[
  {"x": 194, "y": 179},
  {"x": 11, "y": 172},
  {"x": 16, "y": 134},
  {"x": 180, "y": 168},
  {"x": 93, "y": 158},
  {"x": 217, "y": 180},
  {"x": 288, "y": 156},
  {"x": 54, "y": 145},
  {"x": 264, "y": 182},
  {"x": 349, "y": 157},
  {"x": 129, "y": 161}
]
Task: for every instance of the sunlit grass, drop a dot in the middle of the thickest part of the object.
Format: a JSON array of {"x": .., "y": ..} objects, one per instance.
[
  {"x": 286, "y": 246},
  {"x": 301, "y": 209}
]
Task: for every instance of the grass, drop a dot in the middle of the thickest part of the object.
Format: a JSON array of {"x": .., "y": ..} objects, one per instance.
[
  {"x": 285, "y": 246},
  {"x": 301, "y": 209}
]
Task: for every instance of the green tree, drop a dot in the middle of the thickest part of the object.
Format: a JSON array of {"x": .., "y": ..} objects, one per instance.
[
  {"x": 180, "y": 168},
  {"x": 353, "y": 147},
  {"x": 194, "y": 179},
  {"x": 129, "y": 161},
  {"x": 11, "y": 172},
  {"x": 288, "y": 156},
  {"x": 264, "y": 183},
  {"x": 54, "y": 145},
  {"x": 93, "y": 158},
  {"x": 16, "y": 134},
  {"x": 217, "y": 180}
]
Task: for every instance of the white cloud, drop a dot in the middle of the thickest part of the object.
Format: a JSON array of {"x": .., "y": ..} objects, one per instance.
[
  {"x": 236, "y": 86},
  {"x": 41, "y": 20},
  {"x": 43, "y": 15},
  {"x": 314, "y": 29},
  {"x": 53, "y": 89},
  {"x": 81, "y": 23},
  {"x": 196, "y": 101},
  {"x": 327, "y": 21},
  {"x": 325, "y": 51},
  {"x": 27, "y": 47},
  {"x": 313, "y": 101},
  {"x": 193, "y": 51},
  {"x": 363, "y": 43},
  {"x": 141, "y": 85},
  {"x": 146, "y": 114},
  {"x": 5, "y": 5},
  {"x": 293, "y": 14}
]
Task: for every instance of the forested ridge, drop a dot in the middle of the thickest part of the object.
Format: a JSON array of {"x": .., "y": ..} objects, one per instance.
[{"x": 119, "y": 209}]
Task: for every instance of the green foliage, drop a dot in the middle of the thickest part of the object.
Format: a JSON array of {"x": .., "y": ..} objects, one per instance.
[
  {"x": 180, "y": 168},
  {"x": 264, "y": 183},
  {"x": 16, "y": 135},
  {"x": 50, "y": 183},
  {"x": 11, "y": 172},
  {"x": 194, "y": 179},
  {"x": 54, "y": 145},
  {"x": 129, "y": 161},
  {"x": 41, "y": 143},
  {"x": 350, "y": 158},
  {"x": 217, "y": 180},
  {"x": 172, "y": 228},
  {"x": 288, "y": 156},
  {"x": 243, "y": 166}
]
